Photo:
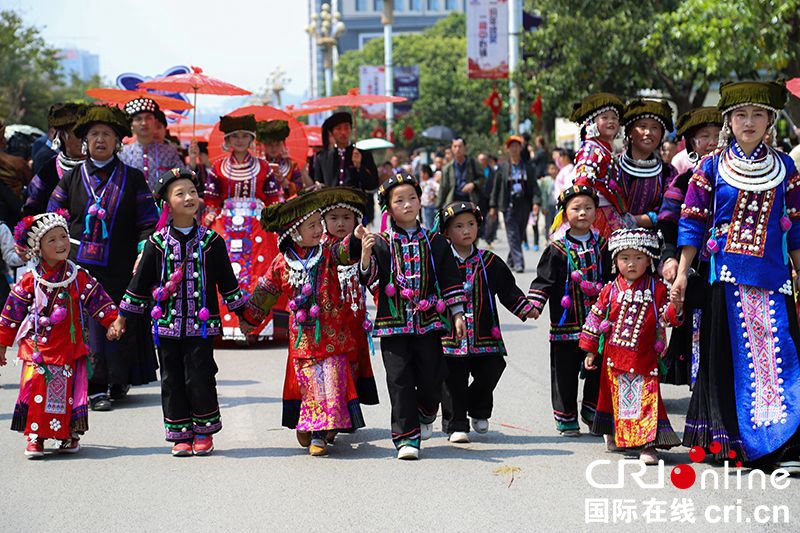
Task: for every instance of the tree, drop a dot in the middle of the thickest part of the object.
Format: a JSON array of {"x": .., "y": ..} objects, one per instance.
[
  {"x": 678, "y": 47},
  {"x": 446, "y": 96}
]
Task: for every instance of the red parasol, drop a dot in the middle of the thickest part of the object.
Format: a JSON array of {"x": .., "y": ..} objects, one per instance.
[
  {"x": 313, "y": 134},
  {"x": 353, "y": 99},
  {"x": 121, "y": 96},
  {"x": 194, "y": 82},
  {"x": 303, "y": 111},
  {"x": 794, "y": 86},
  {"x": 296, "y": 143}
]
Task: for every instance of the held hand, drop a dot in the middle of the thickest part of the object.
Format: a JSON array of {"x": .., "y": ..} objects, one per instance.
[
  {"x": 678, "y": 292},
  {"x": 367, "y": 243},
  {"x": 588, "y": 363},
  {"x": 468, "y": 188},
  {"x": 2, "y": 356},
  {"x": 209, "y": 219},
  {"x": 356, "y": 158},
  {"x": 461, "y": 326},
  {"x": 534, "y": 314},
  {"x": 22, "y": 252},
  {"x": 669, "y": 270},
  {"x": 361, "y": 232}
]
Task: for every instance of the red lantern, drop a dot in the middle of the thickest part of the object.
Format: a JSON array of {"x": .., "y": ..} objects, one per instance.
[
  {"x": 379, "y": 133},
  {"x": 495, "y": 105},
  {"x": 408, "y": 133}
]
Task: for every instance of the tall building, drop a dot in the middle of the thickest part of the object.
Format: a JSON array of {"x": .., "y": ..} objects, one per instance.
[
  {"x": 82, "y": 63},
  {"x": 362, "y": 21}
]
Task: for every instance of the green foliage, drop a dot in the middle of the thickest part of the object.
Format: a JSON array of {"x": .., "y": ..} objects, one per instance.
[
  {"x": 30, "y": 80},
  {"x": 446, "y": 96}
]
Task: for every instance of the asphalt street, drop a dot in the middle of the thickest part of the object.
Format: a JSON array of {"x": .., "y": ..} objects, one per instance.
[{"x": 521, "y": 476}]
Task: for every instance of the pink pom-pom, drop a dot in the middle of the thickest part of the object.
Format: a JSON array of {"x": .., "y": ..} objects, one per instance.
[
  {"x": 566, "y": 302},
  {"x": 44, "y": 321},
  {"x": 496, "y": 332},
  {"x": 292, "y": 305},
  {"x": 605, "y": 326},
  {"x": 367, "y": 325},
  {"x": 424, "y": 305},
  {"x": 170, "y": 286},
  {"x": 599, "y": 287},
  {"x": 300, "y": 316},
  {"x": 315, "y": 311},
  {"x": 64, "y": 213},
  {"x": 156, "y": 313},
  {"x": 307, "y": 289},
  {"x": 37, "y": 358},
  {"x": 440, "y": 306},
  {"x": 390, "y": 290},
  {"x": 101, "y": 214},
  {"x": 204, "y": 314},
  {"x": 712, "y": 246},
  {"x": 577, "y": 276},
  {"x": 587, "y": 287},
  {"x": 176, "y": 276},
  {"x": 58, "y": 315},
  {"x": 407, "y": 293},
  {"x": 786, "y": 223},
  {"x": 659, "y": 346},
  {"x": 158, "y": 294},
  {"x": 93, "y": 209}
]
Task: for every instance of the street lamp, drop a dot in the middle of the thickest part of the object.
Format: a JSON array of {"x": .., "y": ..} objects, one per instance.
[{"x": 325, "y": 29}]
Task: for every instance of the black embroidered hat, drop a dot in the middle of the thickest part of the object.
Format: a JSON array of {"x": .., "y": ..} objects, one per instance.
[
  {"x": 576, "y": 190},
  {"x": 272, "y": 131},
  {"x": 347, "y": 198},
  {"x": 453, "y": 209},
  {"x": 141, "y": 105},
  {"x": 658, "y": 110},
  {"x": 170, "y": 176},
  {"x": 767, "y": 94},
  {"x": 283, "y": 218},
  {"x": 595, "y": 104},
  {"x": 101, "y": 114},
  {"x": 62, "y": 116},
  {"x": 696, "y": 119},
  {"x": 161, "y": 117},
  {"x": 229, "y": 124},
  {"x": 396, "y": 180},
  {"x": 340, "y": 117}
]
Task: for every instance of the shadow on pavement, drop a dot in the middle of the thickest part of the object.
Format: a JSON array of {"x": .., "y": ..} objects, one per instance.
[{"x": 226, "y": 402}]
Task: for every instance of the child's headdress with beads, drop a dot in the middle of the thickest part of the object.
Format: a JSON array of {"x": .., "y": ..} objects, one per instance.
[{"x": 29, "y": 231}]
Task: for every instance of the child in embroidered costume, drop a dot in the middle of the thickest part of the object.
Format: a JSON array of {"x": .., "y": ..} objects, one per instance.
[
  {"x": 626, "y": 326},
  {"x": 418, "y": 281},
  {"x": 182, "y": 267},
  {"x": 571, "y": 273},
  {"x": 44, "y": 313},
  {"x": 340, "y": 220},
  {"x": 319, "y": 345},
  {"x": 481, "y": 352}
]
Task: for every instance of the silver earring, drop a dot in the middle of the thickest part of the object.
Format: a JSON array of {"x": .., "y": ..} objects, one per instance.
[
  {"x": 84, "y": 147},
  {"x": 56, "y": 144},
  {"x": 592, "y": 130}
]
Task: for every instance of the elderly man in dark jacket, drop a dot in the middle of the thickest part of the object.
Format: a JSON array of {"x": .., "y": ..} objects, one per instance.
[
  {"x": 461, "y": 178},
  {"x": 515, "y": 193}
]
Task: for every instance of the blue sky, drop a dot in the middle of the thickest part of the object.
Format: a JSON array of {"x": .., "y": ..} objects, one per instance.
[{"x": 239, "y": 41}]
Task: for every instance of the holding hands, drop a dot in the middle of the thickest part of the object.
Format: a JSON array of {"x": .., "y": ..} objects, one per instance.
[{"x": 117, "y": 329}]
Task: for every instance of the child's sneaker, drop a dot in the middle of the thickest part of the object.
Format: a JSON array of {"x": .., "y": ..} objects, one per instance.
[
  {"x": 304, "y": 438},
  {"x": 71, "y": 445},
  {"x": 202, "y": 445},
  {"x": 460, "y": 437},
  {"x": 318, "y": 448},
  {"x": 181, "y": 449},
  {"x": 425, "y": 431},
  {"x": 480, "y": 425},
  {"x": 34, "y": 449},
  {"x": 649, "y": 456},
  {"x": 408, "y": 453}
]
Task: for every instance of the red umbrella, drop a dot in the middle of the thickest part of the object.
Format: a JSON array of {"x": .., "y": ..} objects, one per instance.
[
  {"x": 794, "y": 86},
  {"x": 194, "y": 82},
  {"x": 122, "y": 96},
  {"x": 353, "y": 99},
  {"x": 302, "y": 111},
  {"x": 313, "y": 134},
  {"x": 296, "y": 143}
]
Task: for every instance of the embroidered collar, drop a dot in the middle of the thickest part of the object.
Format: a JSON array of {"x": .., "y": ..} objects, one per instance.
[
  {"x": 763, "y": 170},
  {"x": 244, "y": 171},
  {"x": 92, "y": 168},
  {"x": 472, "y": 254},
  {"x": 396, "y": 232},
  {"x": 67, "y": 163},
  {"x": 641, "y": 168}
]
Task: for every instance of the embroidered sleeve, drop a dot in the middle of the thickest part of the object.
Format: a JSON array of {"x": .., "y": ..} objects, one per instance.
[
  {"x": 94, "y": 299},
  {"x": 265, "y": 293},
  {"x": 347, "y": 251},
  {"x": 137, "y": 299},
  {"x": 592, "y": 328},
  {"x": 696, "y": 208},
  {"x": 370, "y": 277},
  {"x": 541, "y": 287},
  {"x": 228, "y": 285},
  {"x": 15, "y": 310},
  {"x": 510, "y": 295},
  {"x": 793, "y": 206},
  {"x": 60, "y": 197}
]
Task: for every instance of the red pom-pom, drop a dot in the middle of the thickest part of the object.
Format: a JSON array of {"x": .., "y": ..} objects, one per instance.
[
  {"x": 63, "y": 212},
  {"x": 21, "y": 231}
]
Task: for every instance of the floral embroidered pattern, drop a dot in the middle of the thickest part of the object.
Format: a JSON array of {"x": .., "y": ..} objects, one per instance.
[{"x": 747, "y": 233}]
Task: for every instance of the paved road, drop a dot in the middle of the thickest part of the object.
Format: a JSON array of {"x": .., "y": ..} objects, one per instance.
[{"x": 520, "y": 476}]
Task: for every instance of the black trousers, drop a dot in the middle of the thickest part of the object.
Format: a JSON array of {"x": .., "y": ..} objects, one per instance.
[
  {"x": 188, "y": 387},
  {"x": 565, "y": 367},
  {"x": 461, "y": 398},
  {"x": 415, "y": 370}
]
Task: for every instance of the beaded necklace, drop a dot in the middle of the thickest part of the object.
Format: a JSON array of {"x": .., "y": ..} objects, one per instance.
[{"x": 302, "y": 273}]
